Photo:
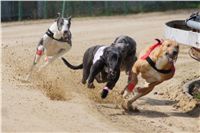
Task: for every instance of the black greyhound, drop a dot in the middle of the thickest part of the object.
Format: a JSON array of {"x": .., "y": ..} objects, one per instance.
[
  {"x": 104, "y": 63},
  {"x": 127, "y": 47},
  {"x": 101, "y": 63}
]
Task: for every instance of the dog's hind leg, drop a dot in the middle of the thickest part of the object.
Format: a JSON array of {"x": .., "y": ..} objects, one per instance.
[
  {"x": 86, "y": 69},
  {"x": 86, "y": 72},
  {"x": 139, "y": 92},
  {"x": 49, "y": 60},
  {"x": 87, "y": 63}
]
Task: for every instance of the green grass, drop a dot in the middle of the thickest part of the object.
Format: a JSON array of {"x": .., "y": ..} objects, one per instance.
[{"x": 197, "y": 96}]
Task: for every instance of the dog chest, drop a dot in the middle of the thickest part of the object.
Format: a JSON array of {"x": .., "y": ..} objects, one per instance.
[
  {"x": 152, "y": 76},
  {"x": 53, "y": 47},
  {"x": 99, "y": 53}
]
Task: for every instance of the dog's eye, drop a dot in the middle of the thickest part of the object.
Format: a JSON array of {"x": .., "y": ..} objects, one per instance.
[{"x": 168, "y": 45}]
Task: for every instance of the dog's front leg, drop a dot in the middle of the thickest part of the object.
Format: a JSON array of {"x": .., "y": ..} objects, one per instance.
[
  {"x": 133, "y": 80},
  {"x": 94, "y": 70},
  {"x": 109, "y": 86}
]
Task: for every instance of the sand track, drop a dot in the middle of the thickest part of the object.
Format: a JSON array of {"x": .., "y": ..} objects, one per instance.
[{"x": 55, "y": 100}]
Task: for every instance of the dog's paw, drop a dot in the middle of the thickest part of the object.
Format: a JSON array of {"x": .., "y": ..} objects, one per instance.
[
  {"x": 133, "y": 109},
  {"x": 130, "y": 108},
  {"x": 91, "y": 85},
  {"x": 104, "y": 93},
  {"x": 83, "y": 82},
  {"x": 126, "y": 94}
]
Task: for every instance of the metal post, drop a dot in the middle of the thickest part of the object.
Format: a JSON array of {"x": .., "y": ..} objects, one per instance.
[
  {"x": 125, "y": 7},
  {"x": 90, "y": 8},
  {"x": 63, "y": 8},
  {"x": 19, "y": 10},
  {"x": 45, "y": 9},
  {"x": 40, "y": 6},
  {"x": 106, "y": 8},
  {"x": 69, "y": 8}
]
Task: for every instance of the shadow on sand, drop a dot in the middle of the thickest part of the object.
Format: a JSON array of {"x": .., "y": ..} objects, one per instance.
[{"x": 194, "y": 113}]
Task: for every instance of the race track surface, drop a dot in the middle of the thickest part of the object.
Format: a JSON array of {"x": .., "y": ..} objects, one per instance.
[{"x": 55, "y": 100}]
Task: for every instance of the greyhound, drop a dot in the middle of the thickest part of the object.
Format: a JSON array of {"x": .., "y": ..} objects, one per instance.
[
  {"x": 127, "y": 46},
  {"x": 54, "y": 43},
  {"x": 101, "y": 63},
  {"x": 104, "y": 63}
]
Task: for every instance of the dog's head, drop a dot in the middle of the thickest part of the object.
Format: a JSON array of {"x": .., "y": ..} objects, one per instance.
[
  {"x": 168, "y": 53},
  {"x": 112, "y": 57},
  {"x": 61, "y": 28},
  {"x": 123, "y": 47},
  {"x": 170, "y": 49}
]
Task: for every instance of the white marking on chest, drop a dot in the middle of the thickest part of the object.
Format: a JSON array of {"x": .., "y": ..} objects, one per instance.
[{"x": 99, "y": 53}]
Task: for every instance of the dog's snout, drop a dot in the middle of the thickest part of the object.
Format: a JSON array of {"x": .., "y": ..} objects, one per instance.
[
  {"x": 65, "y": 32},
  {"x": 112, "y": 72},
  {"x": 175, "y": 52}
]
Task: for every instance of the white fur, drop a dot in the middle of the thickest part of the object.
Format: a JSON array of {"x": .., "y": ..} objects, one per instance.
[
  {"x": 99, "y": 53},
  {"x": 65, "y": 27}
]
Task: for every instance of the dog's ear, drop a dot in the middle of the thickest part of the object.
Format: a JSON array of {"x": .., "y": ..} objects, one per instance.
[
  {"x": 178, "y": 48},
  {"x": 69, "y": 21},
  {"x": 58, "y": 15},
  {"x": 120, "y": 51},
  {"x": 69, "y": 18},
  {"x": 60, "y": 21},
  {"x": 112, "y": 44},
  {"x": 160, "y": 41}
]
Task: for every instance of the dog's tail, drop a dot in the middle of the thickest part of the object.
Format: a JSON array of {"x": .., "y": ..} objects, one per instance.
[{"x": 72, "y": 66}]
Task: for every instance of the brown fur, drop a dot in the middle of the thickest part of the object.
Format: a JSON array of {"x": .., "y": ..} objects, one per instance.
[{"x": 160, "y": 56}]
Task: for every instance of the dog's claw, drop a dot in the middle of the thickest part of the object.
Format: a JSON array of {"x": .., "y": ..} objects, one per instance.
[
  {"x": 104, "y": 93},
  {"x": 91, "y": 85},
  {"x": 130, "y": 108},
  {"x": 133, "y": 109},
  {"x": 83, "y": 82}
]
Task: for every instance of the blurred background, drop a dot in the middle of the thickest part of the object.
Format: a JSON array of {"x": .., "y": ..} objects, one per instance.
[{"x": 25, "y": 10}]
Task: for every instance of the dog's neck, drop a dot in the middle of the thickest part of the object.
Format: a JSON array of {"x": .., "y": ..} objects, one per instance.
[{"x": 54, "y": 28}]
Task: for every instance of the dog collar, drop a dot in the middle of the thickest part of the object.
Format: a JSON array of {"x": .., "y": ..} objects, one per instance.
[
  {"x": 50, "y": 34},
  {"x": 152, "y": 64}
]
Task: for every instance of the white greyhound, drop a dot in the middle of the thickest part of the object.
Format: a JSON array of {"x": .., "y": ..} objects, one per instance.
[{"x": 54, "y": 43}]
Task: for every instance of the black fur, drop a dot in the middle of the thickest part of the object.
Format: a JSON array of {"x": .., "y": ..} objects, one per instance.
[
  {"x": 119, "y": 56},
  {"x": 106, "y": 69},
  {"x": 71, "y": 66},
  {"x": 128, "y": 49}
]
